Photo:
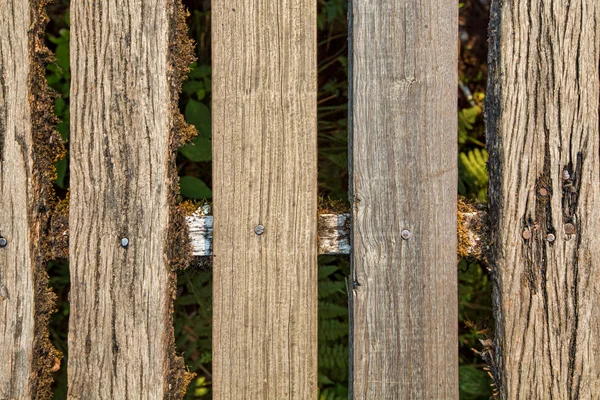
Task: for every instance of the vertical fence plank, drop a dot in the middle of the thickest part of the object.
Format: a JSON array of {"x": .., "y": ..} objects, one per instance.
[
  {"x": 124, "y": 126},
  {"x": 264, "y": 163},
  {"x": 543, "y": 138},
  {"x": 28, "y": 146},
  {"x": 404, "y": 173}
]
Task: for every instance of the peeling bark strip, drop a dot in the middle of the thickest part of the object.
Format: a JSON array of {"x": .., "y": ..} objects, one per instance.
[
  {"x": 29, "y": 146},
  {"x": 265, "y": 172},
  {"x": 543, "y": 138},
  {"x": 128, "y": 60},
  {"x": 403, "y": 177}
]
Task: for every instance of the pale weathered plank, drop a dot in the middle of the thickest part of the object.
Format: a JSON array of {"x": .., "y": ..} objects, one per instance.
[
  {"x": 28, "y": 146},
  {"x": 403, "y": 177},
  {"x": 543, "y": 138},
  {"x": 264, "y": 173},
  {"x": 126, "y": 71}
]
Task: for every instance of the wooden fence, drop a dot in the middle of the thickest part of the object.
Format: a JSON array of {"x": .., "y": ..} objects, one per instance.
[{"x": 127, "y": 238}]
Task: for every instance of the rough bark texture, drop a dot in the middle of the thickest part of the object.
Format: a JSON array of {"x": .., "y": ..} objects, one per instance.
[
  {"x": 403, "y": 177},
  {"x": 543, "y": 139},
  {"x": 265, "y": 158},
  {"x": 128, "y": 59},
  {"x": 28, "y": 147}
]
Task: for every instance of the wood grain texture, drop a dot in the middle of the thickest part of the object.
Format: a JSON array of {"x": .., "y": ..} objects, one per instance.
[
  {"x": 543, "y": 138},
  {"x": 16, "y": 260},
  {"x": 28, "y": 147},
  {"x": 264, "y": 172},
  {"x": 403, "y": 176},
  {"x": 120, "y": 334}
]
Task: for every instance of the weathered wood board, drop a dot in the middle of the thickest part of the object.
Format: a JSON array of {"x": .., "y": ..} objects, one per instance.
[
  {"x": 403, "y": 178},
  {"x": 123, "y": 93},
  {"x": 28, "y": 147},
  {"x": 264, "y": 173},
  {"x": 543, "y": 138}
]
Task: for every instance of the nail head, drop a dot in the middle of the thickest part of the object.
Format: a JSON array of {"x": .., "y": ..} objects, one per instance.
[
  {"x": 124, "y": 242},
  {"x": 405, "y": 234},
  {"x": 526, "y": 234},
  {"x": 550, "y": 237},
  {"x": 259, "y": 230},
  {"x": 3, "y": 242},
  {"x": 570, "y": 229}
]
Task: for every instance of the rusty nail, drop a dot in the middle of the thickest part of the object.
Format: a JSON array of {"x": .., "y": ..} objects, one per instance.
[
  {"x": 3, "y": 242},
  {"x": 543, "y": 192},
  {"x": 405, "y": 234},
  {"x": 550, "y": 237},
  {"x": 259, "y": 230},
  {"x": 570, "y": 229},
  {"x": 526, "y": 234},
  {"x": 124, "y": 242}
]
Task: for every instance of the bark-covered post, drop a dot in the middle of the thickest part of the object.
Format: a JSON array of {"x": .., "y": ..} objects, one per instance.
[
  {"x": 128, "y": 60},
  {"x": 28, "y": 147},
  {"x": 543, "y": 138},
  {"x": 404, "y": 177},
  {"x": 265, "y": 174}
]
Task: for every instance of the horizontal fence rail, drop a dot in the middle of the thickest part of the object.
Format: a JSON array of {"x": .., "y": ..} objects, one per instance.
[{"x": 334, "y": 234}]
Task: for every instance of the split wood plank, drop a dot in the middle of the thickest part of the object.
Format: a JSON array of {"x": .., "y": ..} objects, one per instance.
[
  {"x": 403, "y": 177},
  {"x": 543, "y": 137},
  {"x": 120, "y": 330},
  {"x": 265, "y": 173}
]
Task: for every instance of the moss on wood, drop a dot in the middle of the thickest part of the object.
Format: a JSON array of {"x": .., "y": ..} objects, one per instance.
[
  {"x": 179, "y": 249},
  {"x": 46, "y": 150}
]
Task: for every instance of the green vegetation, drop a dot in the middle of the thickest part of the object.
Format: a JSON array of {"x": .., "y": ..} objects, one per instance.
[{"x": 193, "y": 307}]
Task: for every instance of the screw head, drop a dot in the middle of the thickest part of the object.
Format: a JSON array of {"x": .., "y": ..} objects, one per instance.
[
  {"x": 550, "y": 237},
  {"x": 3, "y": 242},
  {"x": 124, "y": 242},
  {"x": 405, "y": 234},
  {"x": 259, "y": 229}
]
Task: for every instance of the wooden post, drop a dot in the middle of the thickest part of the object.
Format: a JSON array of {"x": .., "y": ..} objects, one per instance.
[
  {"x": 28, "y": 147},
  {"x": 264, "y": 163},
  {"x": 543, "y": 138},
  {"x": 403, "y": 178},
  {"x": 128, "y": 59}
]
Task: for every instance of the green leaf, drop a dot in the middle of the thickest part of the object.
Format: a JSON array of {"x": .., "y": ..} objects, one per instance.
[
  {"x": 473, "y": 383},
  {"x": 200, "y": 71},
  {"x": 61, "y": 171},
  {"x": 194, "y": 188},
  {"x": 198, "y": 150},
  {"x": 198, "y": 114},
  {"x": 192, "y": 86},
  {"x": 62, "y": 56}
]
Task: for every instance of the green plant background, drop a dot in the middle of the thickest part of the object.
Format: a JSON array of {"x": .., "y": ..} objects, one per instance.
[{"x": 193, "y": 306}]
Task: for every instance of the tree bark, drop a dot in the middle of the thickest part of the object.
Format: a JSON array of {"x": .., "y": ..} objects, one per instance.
[{"x": 543, "y": 138}]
